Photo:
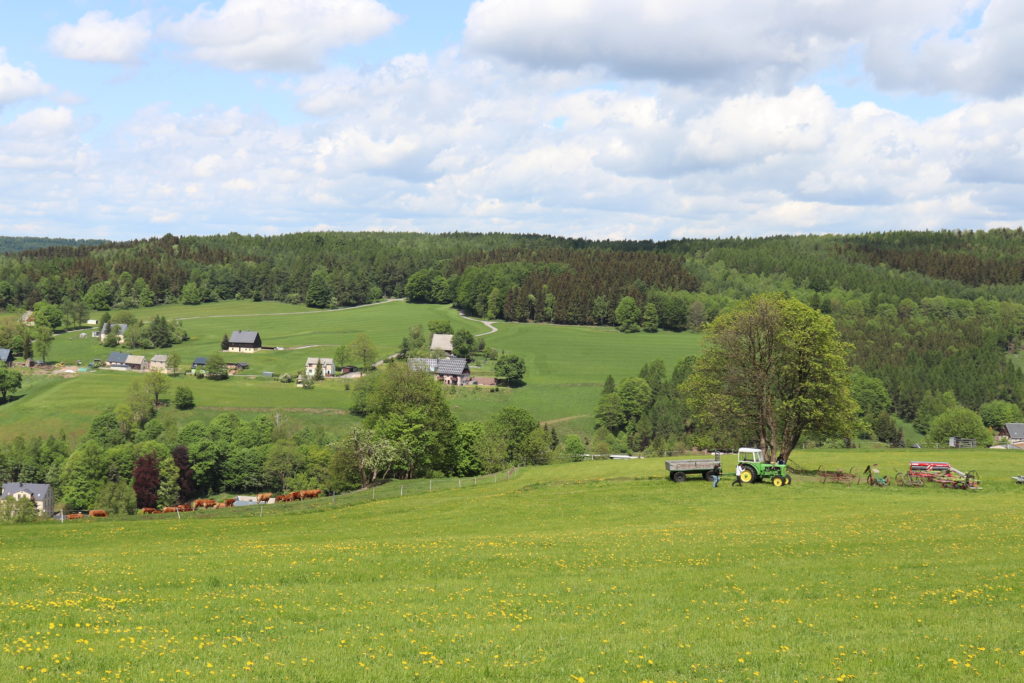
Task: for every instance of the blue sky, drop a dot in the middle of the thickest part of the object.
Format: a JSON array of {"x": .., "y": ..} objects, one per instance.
[{"x": 598, "y": 118}]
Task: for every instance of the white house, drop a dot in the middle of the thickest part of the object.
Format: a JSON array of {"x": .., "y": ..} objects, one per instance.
[
  {"x": 40, "y": 494},
  {"x": 326, "y": 366}
]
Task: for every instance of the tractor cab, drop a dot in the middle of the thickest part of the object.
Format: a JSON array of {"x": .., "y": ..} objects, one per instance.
[{"x": 755, "y": 467}]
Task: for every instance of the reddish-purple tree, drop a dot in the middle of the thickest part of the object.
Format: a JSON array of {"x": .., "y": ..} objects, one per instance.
[
  {"x": 186, "y": 476},
  {"x": 146, "y": 481}
]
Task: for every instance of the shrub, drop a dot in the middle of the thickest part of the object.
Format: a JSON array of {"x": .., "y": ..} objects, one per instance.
[{"x": 183, "y": 399}]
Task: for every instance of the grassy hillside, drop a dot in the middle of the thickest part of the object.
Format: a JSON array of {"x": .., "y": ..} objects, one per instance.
[
  {"x": 590, "y": 571},
  {"x": 566, "y": 366}
]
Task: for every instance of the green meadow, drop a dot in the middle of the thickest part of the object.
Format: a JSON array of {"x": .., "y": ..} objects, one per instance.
[
  {"x": 595, "y": 571},
  {"x": 566, "y": 366}
]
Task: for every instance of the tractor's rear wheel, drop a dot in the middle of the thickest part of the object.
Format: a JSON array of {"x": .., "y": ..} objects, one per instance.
[
  {"x": 679, "y": 476},
  {"x": 778, "y": 481},
  {"x": 789, "y": 480},
  {"x": 747, "y": 475}
]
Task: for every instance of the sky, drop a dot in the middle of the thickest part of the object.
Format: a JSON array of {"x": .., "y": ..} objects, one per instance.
[{"x": 606, "y": 119}]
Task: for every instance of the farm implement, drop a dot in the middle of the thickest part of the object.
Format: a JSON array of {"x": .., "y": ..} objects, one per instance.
[{"x": 944, "y": 474}]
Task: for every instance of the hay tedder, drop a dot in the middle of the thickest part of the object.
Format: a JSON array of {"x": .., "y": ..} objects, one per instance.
[{"x": 941, "y": 473}]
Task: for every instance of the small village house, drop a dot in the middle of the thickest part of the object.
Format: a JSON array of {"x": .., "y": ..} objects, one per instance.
[
  {"x": 199, "y": 365},
  {"x": 1014, "y": 431},
  {"x": 117, "y": 360},
  {"x": 135, "y": 362},
  {"x": 118, "y": 329},
  {"x": 441, "y": 342},
  {"x": 158, "y": 362},
  {"x": 40, "y": 494},
  {"x": 245, "y": 341},
  {"x": 326, "y": 366},
  {"x": 454, "y": 371},
  {"x": 6, "y": 357}
]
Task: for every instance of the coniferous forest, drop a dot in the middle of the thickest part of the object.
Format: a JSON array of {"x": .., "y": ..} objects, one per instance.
[{"x": 926, "y": 312}]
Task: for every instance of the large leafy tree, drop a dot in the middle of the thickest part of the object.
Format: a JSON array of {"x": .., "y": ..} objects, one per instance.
[
  {"x": 10, "y": 381},
  {"x": 772, "y": 368}
]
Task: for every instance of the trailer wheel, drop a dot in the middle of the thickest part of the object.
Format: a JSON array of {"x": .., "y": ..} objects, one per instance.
[
  {"x": 778, "y": 481},
  {"x": 679, "y": 476},
  {"x": 747, "y": 475}
]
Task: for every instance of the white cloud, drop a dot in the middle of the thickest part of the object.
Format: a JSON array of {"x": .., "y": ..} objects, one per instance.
[
  {"x": 726, "y": 45},
  {"x": 99, "y": 37},
  {"x": 279, "y": 34},
  {"x": 983, "y": 61},
  {"x": 18, "y": 84}
]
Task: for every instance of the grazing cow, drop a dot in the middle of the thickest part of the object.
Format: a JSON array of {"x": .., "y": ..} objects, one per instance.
[
  {"x": 149, "y": 511},
  {"x": 230, "y": 502},
  {"x": 97, "y": 513},
  {"x": 171, "y": 508},
  {"x": 311, "y": 493},
  {"x": 75, "y": 515},
  {"x": 284, "y": 498},
  {"x": 222, "y": 505},
  {"x": 204, "y": 503},
  {"x": 264, "y": 497},
  {"x": 184, "y": 507}
]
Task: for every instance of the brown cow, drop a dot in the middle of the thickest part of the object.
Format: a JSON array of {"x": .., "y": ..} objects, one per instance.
[
  {"x": 170, "y": 508},
  {"x": 184, "y": 507},
  {"x": 149, "y": 511},
  {"x": 75, "y": 515},
  {"x": 263, "y": 497},
  {"x": 311, "y": 493},
  {"x": 285, "y": 497},
  {"x": 230, "y": 502},
  {"x": 204, "y": 503},
  {"x": 97, "y": 513},
  {"x": 221, "y": 505}
]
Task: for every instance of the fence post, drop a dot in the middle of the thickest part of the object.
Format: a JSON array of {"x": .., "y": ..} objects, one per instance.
[
  {"x": 430, "y": 484},
  {"x": 460, "y": 483},
  {"x": 401, "y": 491}
]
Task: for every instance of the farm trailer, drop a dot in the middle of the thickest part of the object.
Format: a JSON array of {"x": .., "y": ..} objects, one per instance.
[{"x": 705, "y": 467}]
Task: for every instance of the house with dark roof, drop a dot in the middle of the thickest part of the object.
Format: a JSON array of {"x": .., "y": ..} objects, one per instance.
[
  {"x": 244, "y": 341},
  {"x": 1015, "y": 431},
  {"x": 453, "y": 371},
  {"x": 199, "y": 365},
  {"x": 118, "y": 329},
  {"x": 40, "y": 494},
  {"x": 117, "y": 360},
  {"x": 6, "y": 357}
]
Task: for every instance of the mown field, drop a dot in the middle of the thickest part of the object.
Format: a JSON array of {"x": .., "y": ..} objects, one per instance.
[
  {"x": 597, "y": 571},
  {"x": 566, "y": 366}
]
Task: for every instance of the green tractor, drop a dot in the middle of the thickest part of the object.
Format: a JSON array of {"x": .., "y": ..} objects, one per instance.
[{"x": 756, "y": 468}]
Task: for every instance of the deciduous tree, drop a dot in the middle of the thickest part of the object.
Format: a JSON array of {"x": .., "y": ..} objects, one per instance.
[{"x": 773, "y": 367}]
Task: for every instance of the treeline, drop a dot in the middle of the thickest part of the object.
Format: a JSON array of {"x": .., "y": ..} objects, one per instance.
[
  {"x": 131, "y": 457},
  {"x": 926, "y": 312},
  {"x": 9, "y": 245}
]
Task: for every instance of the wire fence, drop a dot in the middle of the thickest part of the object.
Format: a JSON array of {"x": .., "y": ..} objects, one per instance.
[{"x": 387, "y": 490}]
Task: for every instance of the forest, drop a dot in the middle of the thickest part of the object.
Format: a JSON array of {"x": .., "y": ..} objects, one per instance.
[{"x": 926, "y": 312}]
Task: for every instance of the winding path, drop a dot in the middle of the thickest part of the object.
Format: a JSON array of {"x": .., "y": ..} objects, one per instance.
[{"x": 491, "y": 329}]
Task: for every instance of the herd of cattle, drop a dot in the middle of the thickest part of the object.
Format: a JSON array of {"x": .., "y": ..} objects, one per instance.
[{"x": 202, "y": 503}]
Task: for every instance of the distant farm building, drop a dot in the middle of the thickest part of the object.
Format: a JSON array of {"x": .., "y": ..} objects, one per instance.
[
  {"x": 199, "y": 365},
  {"x": 6, "y": 357},
  {"x": 135, "y": 362},
  {"x": 244, "y": 341},
  {"x": 117, "y": 360},
  {"x": 118, "y": 329},
  {"x": 40, "y": 494},
  {"x": 441, "y": 342},
  {"x": 158, "y": 362},
  {"x": 326, "y": 366},
  {"x": 453, "y": 371}
]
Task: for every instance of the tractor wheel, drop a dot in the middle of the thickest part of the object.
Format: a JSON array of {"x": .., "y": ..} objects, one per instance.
[
  {"x": 778, "y": 481},
  {"x": 708, "y": 475},
  {"x": 679, "y": 476},
  {"x": 747, "y": 475},
  {"x": 788, "y": 480}
]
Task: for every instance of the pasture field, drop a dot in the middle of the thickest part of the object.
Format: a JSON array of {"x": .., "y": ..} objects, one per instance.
[
  {"x": 566, "y": 366},
  {"x": 596, "y": 571}
]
